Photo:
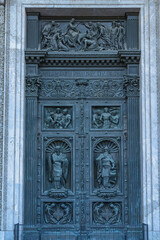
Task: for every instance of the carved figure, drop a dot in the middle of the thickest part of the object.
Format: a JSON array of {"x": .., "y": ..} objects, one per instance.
[
  {"x": 60, "y": 118},
  {"x": 97, "y": 121},
  {"x": 114, "y": 35},
  {"x": 121, "y": 36},
  {"x": 58, "y": 168},
  {"x": 105, "y": 164},
  {"x": 105, "y": 118},
  {"x": 109, "y": 120},
  {"x": 50, "y": 120},
  {"x": 66, "y": 118},
  {"x": 97, "y": 217},
  {"x": 97, "y": 36},
  {"x": 67, "y": 217},
  {"x": 116, "y": 213},
  {"x": 72, "y": 33},
  {"x": 49, "y": 213}
]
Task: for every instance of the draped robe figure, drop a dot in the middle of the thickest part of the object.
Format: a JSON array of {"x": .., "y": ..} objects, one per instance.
[
  {"x": 58, "y": 168},
  {"x": 105, "y": 163}
]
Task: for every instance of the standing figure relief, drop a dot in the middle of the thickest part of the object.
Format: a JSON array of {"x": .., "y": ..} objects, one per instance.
[
  {"x": 105, "y": 164},
  {"x": 83, "y": 36},
  {"x": 58, "y": 168}
]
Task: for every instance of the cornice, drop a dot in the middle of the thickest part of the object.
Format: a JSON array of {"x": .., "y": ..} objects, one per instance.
[{"x": 108, "y": 58}]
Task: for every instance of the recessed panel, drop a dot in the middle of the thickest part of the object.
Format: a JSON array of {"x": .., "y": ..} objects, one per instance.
[
  {"x": 58, "y": 117},
  {"x": 106, "y": 117}
]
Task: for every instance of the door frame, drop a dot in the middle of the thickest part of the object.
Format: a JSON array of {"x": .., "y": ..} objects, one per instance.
[{"x": 14, "y": 135}]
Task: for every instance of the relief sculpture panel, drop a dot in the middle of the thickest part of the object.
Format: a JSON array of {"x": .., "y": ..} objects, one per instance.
[
  {"x": 58, "y": 117},
  {"x": 107, "y": 117},
  {"x": 57, "y": 168},
  {"x": 107, "y": 213},
  {"x": 58, "y": 213},
  {"x": 106, "y": 167},
  {"x": 83, "y": 35}
]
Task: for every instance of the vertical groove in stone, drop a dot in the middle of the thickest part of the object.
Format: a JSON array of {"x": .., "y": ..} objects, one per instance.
[
  {"x": 31, "y": 161},
  {"x": 134, "y": 187},
  {"x": 2, "y": 36}
]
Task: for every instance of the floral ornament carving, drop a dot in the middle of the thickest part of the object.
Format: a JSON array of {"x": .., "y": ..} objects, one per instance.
[
  {"x": 131, "y": 85},
  {"x": 83, "y": 36},
  {"x": 33, "y": 85},
  {"x": 57, "y": 88}
]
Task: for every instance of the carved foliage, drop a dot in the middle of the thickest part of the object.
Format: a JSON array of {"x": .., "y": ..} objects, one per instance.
[
  {"x": 33, "y": 85},
  {"x": 107, "y": 213},
  {"x": 58, "y": 213},
  {"x": 107, "y": 117},
  {"x": 58, "y": 117},
  {"x": 82, "y": 88},
  {"x": 131, "y": 85},
  {"x": 83, "y": 36},
  {"x": 57, "y": 167},
  {"x": 106, "y": 161}
]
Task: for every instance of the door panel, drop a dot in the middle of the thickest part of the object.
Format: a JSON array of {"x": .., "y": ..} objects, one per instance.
[{"x": 82, "y": 160}]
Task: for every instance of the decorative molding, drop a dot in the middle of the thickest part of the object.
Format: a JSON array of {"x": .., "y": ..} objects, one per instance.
[
  {"x": 131, "y": 85},
  {"x": 110, "y": 58},
  {"x": 75, "y": 88},
  {"x": 33, "y": 85}
]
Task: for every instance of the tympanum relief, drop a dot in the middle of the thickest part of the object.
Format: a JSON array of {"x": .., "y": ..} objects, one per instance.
[
  {"x": 58, "y": 213},
  {"x": 107, "y": 213},
  {"x": 106, "y": 162},
  {"x": 107, "y": 117},
  {"x": 83, "y": 35},
  {"x": 58, "y": 117},
  {"x": 58, "y": 168}
]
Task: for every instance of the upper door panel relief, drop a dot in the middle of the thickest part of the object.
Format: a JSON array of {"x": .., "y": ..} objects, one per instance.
[
  {"x": 83, "y": 35},
  {"x": 60, "y": 117}
]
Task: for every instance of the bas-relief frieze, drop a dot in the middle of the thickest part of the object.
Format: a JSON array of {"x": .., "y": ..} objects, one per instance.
[
  {"x": 83, "y": 36},
  {"x": 57, "y": 88}
]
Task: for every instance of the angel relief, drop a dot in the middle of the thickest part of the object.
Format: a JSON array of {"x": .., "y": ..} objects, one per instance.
[{"x": 58, "y": 154}]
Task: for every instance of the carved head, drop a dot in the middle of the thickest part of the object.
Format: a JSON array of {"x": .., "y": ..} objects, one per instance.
[
  {"x": 58, "y": 150},
  {"x": 106, "y": 109},
  {"x": 65, "y": 111},
  {"x": 72, "y": 20},
  {"x": 52, "y": 114},
  {"x": 58, "y": 110},
  {"x": 98, "y": 112},
  {"x": 106, "y": 148},
  {"x": 113, "y": 24},
  {"x": 53, "y": 23}
]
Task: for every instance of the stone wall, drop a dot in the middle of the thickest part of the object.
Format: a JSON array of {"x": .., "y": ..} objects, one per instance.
[
  {"x": 2, "y": 36},
  {"x": 12, "y": 131}
]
